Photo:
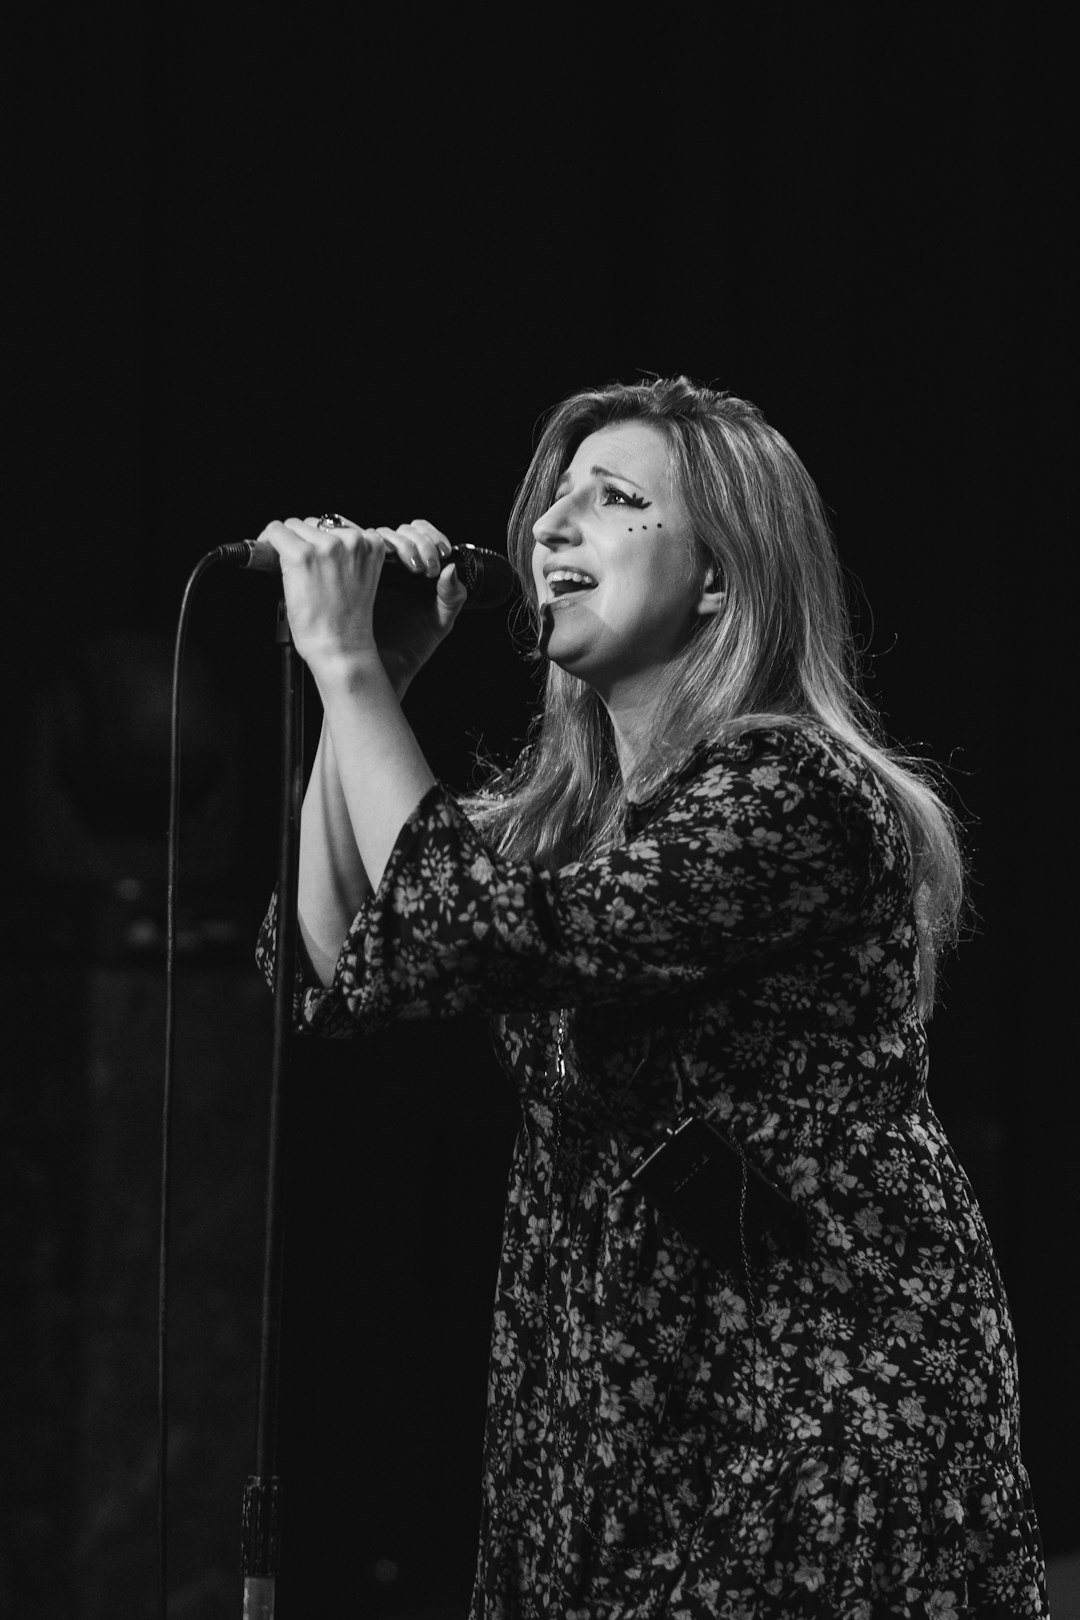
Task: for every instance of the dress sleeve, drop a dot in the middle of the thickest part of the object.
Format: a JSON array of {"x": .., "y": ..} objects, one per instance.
[{"x": 749, "y": 858}]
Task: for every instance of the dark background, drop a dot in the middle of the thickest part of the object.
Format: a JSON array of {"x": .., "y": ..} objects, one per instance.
[{"x": 278, "y": 262}]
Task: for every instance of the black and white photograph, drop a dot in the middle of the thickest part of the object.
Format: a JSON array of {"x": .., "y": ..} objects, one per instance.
[{"x": 540, "y": 873}]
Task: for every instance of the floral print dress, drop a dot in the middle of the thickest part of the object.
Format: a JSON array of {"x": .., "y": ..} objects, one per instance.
[{"x": 824, "y": 1424}]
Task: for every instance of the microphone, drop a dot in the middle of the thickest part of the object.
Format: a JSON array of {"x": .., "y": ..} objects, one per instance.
[{"x": 487, "y": 576}]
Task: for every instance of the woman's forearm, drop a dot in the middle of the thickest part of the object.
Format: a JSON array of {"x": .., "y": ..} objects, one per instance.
[
  {"x": 332, "y": 883},
  {"x": 369, "y": 775},
  {"x": 381, "y": 770}
]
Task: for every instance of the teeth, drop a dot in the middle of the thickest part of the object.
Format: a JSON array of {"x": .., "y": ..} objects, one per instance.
[{"x": 569, "y": 575}]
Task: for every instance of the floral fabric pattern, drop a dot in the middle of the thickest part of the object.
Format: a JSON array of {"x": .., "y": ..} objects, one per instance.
[{"x": 827, "y": 1426}]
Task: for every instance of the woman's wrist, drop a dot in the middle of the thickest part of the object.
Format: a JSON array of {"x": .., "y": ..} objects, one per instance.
[{"x": 348, "y": 669}]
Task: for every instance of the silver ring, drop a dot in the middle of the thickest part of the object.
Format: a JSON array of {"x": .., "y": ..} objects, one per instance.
[{"x": 331, "y": 520}]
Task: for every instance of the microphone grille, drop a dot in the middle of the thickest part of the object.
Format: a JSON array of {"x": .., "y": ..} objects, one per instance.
[{"x": 486, "y": 575}]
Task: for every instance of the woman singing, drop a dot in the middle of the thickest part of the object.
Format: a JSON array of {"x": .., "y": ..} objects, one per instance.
[{"x": 771, "y": 1375}]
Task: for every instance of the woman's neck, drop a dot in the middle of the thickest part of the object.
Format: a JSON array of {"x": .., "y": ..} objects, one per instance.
[{"x": 632, "y": 715}]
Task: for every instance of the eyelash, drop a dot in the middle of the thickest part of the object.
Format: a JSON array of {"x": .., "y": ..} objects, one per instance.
[
  {"x": 611, "y": 490},
  {"x": 629, "y": 500}
]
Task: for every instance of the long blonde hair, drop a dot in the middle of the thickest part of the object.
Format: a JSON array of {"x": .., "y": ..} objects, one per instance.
[{"x": 780, "y": 652}]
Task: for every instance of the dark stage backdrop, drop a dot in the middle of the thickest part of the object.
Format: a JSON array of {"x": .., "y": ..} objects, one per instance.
[{"x": 316, "y": 259}]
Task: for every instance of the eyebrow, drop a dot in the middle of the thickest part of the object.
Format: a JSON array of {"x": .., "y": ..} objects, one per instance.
[{"x": 600, "y": 472}]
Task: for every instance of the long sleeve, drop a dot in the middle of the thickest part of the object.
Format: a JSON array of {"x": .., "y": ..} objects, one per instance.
[{"x": 754, "y": 851}]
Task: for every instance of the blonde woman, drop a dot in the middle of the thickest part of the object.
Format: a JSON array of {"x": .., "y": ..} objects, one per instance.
[{"x": 751, "y": 1354}]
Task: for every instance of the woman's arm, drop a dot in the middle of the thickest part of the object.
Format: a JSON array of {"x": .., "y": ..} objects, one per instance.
[
  {"x": 768, "y": 848},
  {"x": 332, "y": 881},
  {"x": 369, "y": 773}
]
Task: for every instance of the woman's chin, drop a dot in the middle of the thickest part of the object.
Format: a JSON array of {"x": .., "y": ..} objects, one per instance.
[
  {"x": 565, "y": 633},
  {"x": 570, "y": 652}
]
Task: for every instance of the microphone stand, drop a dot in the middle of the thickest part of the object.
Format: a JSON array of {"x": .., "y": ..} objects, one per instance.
[{"x": 260, "y": 1543}]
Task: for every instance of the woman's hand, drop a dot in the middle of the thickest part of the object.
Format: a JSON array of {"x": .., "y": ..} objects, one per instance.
[{"x": 336, "y": 613}]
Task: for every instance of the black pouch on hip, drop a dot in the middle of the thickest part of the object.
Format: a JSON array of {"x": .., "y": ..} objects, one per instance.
[{"x": 705, "y": 1186}]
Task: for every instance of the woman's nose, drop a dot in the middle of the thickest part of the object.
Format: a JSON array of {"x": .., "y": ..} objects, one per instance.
[{"x": 557, "y": 527}]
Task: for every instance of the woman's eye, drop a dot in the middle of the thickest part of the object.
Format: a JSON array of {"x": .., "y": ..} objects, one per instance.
[{"x": 614, "y": 496}]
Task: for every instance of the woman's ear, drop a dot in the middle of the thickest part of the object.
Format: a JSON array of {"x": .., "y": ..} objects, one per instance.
[{"x": 711, "y": 599}]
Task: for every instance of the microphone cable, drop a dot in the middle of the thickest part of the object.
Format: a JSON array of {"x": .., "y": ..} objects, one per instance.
[{"x": 165, "y": 1202}]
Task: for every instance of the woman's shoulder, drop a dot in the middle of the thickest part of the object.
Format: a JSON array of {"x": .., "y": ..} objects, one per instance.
[
  {"x": 787, "y": 763},
  {"x": 796, "y": 748}
]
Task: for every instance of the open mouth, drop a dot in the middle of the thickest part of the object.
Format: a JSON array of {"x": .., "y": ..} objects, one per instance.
[{"x": 568, "y": 581}]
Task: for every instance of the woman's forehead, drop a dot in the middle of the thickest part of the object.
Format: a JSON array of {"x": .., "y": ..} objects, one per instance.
[{"x": 634, "y": 450}]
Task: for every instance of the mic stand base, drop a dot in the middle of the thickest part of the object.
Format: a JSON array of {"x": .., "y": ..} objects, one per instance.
[{"x": 259, "y": 1597}]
